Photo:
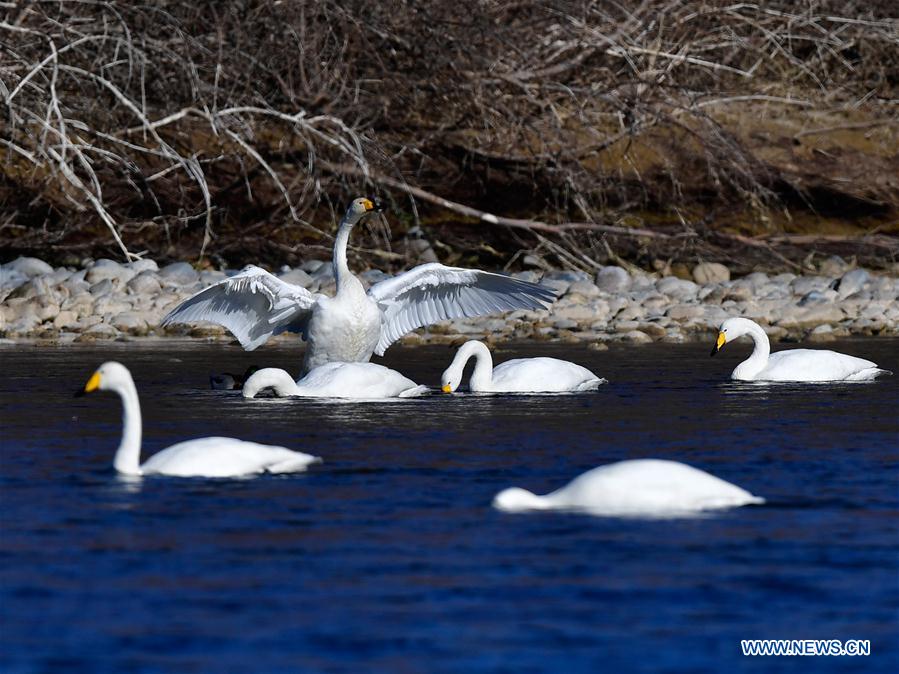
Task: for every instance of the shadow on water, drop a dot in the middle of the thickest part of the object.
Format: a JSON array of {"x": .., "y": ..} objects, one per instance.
[{"x": 387, "y": 557}]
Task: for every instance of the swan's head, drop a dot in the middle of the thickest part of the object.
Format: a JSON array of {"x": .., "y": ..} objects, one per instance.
[
  {"x": 359, "y": 208},
  {"x": 450, "y": 379},
  {"x": 110, "y": 376},
  {"x": 516, "y": 499},
  {"x": 730, "y": 330}
]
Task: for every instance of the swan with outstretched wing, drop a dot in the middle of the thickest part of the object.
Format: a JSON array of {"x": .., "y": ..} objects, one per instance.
[{"x": 354, "y": 324}]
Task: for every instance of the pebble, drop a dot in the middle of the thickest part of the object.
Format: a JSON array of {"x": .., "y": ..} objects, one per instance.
[
  {"x": 179, "y": 273},
  {"x": 710, "y": 272},
  {"x": 852, "y": 282},
  {"x": 613, "y": 280},
  {"x": 296, "y": 277},
  {"x": 109, "y": 300},
  {"x": 29, "y": 267},
  {"x": 102, "y": 270}
]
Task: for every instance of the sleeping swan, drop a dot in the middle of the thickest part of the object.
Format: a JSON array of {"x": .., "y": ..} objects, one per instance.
[
  {"x": 793, "y": 364},
  {"x": 349, "y": 327},
  {"x": 641, "y": 487},
  {"x": 521, "y": 375},
  {"x": 335, "y": 380},
  {"x": 203, "y": 457}
]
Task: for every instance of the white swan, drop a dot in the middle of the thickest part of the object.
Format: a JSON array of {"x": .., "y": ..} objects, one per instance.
[
  {"x": 794, "y": 364},
  {"x": 521, "y": 375},
  {"x": 335, "y": 380},
  {"x": 203, "y": 457},
  {"x": 641, "y": 487},
  {"x": 349, "y": 327}
]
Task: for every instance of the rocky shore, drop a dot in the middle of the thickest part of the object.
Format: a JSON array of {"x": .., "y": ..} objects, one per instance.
[{"x": 106, "y": 300}]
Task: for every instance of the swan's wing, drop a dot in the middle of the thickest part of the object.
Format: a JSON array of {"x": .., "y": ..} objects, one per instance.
[
  {"x": 433, "y": 292},
  {"x": 225, "y": 457},
  {"x": 813, "y": 365},
  {"x": 253, "y": 305}
]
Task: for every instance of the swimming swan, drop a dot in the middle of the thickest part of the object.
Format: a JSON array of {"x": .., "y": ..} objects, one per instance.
[
  {"x": 335, "y": 380},
  {"x": 203, "y": 457},
  {"x": 521, "y": 375},
  {"x": 229, "y": 381},
  {"x": 349, "y": 327},
  {"x": 641, "y": 487},
  {"x": 793, "y": 364}
]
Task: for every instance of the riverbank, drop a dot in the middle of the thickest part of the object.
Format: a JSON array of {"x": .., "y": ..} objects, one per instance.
[{"x": 106, "y": 300}]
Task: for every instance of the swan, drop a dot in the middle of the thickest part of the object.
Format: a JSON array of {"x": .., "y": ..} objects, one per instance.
[
  {"x": 349, "y": 327},
  {"x": 229, "y": 381},
  {"x": 794, "y": 364},
  {"x": 335, "y": 380},
  {"x": 203, "y": 457},
  {"x": 639, "y": 487},
  {"x": 521, "y": 375}
]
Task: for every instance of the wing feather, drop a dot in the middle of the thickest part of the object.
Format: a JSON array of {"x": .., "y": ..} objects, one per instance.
[
  {"x": 434, "y": 292},
  {"x": 253, "y": 305}
]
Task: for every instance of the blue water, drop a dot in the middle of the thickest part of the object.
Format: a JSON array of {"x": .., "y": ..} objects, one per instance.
[{"x": 388, "y": 557}]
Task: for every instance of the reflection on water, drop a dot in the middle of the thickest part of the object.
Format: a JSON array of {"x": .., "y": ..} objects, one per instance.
[{"x": 387, "y": 557}]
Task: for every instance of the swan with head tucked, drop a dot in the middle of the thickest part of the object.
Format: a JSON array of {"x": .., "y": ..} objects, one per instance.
[
  {"x": 521, "y": 375},
  {"x": 335, "y": 380},
  {"x": 349, "y": 327},
  {"x": 640, "y": 487},
  {"x": 203, "y": 457},
  {"x": 812, "y": 365}
]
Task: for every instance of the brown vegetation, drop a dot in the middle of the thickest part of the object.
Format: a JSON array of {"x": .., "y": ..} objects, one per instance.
[{"x": 658, "y": 129}]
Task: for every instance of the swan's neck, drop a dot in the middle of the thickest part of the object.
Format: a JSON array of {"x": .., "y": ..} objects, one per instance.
[
  {"x": 278, "y": 380},
  {"x": 758, "y": 360},
  {"x": 342, "y": 274},
  {"x": 127, "y": 458},
  {"x": 482, "y": 376}
]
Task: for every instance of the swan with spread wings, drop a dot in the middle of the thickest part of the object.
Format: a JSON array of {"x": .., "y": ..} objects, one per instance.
[{"x": 353, "y": 324}]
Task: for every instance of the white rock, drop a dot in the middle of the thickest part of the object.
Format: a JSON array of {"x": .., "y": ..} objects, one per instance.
[
  {"x": 300, "y": 278},
  {"x": 99, "y": 331},
  {"x": 145, "y": 283},
  {"x": 102, "y": 270},
  {"x": 809, "y": 317},
  {"x": 631, "y": 313},
  {"x": 210, "y": 276},
  {"x": 852, "y": 282},
  {"x": 577, "y": 312},
  {"x": 559, "y": 286},
  {"x": 710, "y": 272},
  {"x": 564, "y": 324},
  {"x": 677, "y": 288},
  {"x": 130, "y": 321},
  {"x": 138, "y": 266},
  {"x": 65, "y": 319},
  {"x": 636, "y": 337},
  {"x": 529, "y": 276},
  {"x": 29, "y": 266},
  {"x": 613, "y": 280},
  {"x": 11, "y": 279},
  {"x": 683, "y": 312},
  {"x": 179, "y": 274},
  {"x": 585, "y": 289},
  {"x": 803, "y": 285},
  {"x": 103, "y": 288}
]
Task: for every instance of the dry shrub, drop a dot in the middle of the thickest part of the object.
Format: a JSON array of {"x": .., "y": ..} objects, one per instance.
[{"x": 172, "y": 123}]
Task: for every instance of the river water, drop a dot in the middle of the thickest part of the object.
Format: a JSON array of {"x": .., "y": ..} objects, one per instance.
[{"x": 388, "y": 557}]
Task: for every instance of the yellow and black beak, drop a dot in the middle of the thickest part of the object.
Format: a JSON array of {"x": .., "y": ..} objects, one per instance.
[
  {"x": 92, "y": 385},
  {"x": 719, "y": 343},
  {"x": 370, "y": 205},
  {"x": 446, "y": 388}
]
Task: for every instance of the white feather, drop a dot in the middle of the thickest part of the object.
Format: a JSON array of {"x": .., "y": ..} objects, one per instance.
[
  {"x": 434, "y": 292},
  {"x": 253, "y": 305}
]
